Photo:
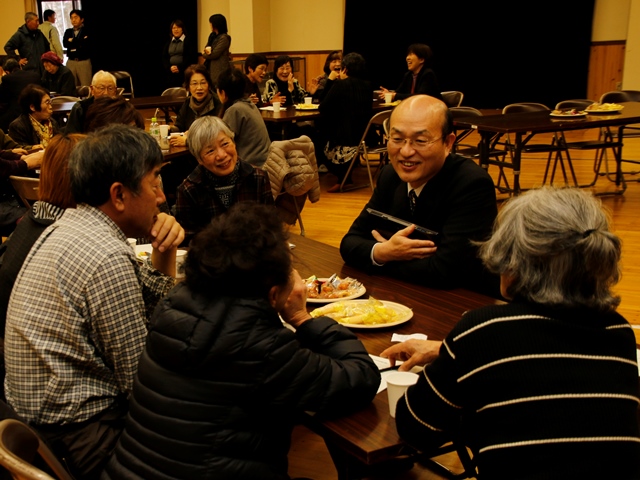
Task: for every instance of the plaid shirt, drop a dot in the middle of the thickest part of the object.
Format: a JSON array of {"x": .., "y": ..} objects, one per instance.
[
  {"x": 197, "y": 202},
  {"x": 77, "y": 318}
]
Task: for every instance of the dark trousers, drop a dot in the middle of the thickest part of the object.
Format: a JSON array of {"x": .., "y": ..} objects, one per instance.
[{"x": 85, "y": 447}]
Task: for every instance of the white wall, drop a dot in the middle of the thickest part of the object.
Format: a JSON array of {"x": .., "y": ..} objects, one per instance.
[{"x": 610, "y": 20}]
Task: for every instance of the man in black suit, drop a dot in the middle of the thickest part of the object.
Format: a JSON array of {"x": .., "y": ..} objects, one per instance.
[
  {"x": 426, "y": 185},
  {"x": 10, "y": 89}
]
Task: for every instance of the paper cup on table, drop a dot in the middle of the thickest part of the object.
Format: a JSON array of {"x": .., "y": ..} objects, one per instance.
[
  {"x": 164, "y": 137},
  {"x": 388, "y": 97},
  {"x": 133, "y": 242},
  {"x": 308, "y": 100},
  {"x": 276, "y": 106},
  {"x": 397, "y": 383},
  {"x": 181, "y": 256}
]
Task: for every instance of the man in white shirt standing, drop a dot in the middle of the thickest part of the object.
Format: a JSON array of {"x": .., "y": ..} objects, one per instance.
[{"x": 51, "y": 33}]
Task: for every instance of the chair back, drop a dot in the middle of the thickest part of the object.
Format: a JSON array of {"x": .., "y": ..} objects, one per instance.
[
  {"x": 18, "y": 448},
  {"x": 26, "y": 188},
  {"x": 618, "y": 96},
  {"x": 452, "y": 98},
  {"x": 124, "y": 80},
  {"x": 65, "y": 98},
  {"x": 579, "y": 104},
  {"x": 524, "y": 108},
  {"x": 175, "y": 92},
  {"x": 83, "y": 91},
  {"x": 461, "y": 112}
]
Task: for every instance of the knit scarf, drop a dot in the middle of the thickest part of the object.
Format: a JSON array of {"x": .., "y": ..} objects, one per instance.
[
  {"x": 44, "y": 130},
  {"x": 201, "y": 107},
  {"x": 225, "y": 186}
]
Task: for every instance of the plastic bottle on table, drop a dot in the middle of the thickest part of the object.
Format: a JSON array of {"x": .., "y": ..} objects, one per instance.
[{"x": 154, "y": 129}]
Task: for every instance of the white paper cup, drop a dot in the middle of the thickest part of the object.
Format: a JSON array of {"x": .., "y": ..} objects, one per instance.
[
  {"x": 276, "y": 106},
  {"x": 397, "y": 383},
  {"x": 181, "y": 256},
  {"x": 308, "y": 100},
  {"x": 388, "y": 97},
  {"x": 164, "y": 137},
  {"x": 132, "y": 242}
]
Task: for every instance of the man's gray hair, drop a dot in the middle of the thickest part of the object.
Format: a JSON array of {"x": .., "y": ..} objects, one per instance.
[
  {"x": 115, "y": 153},
  {"x": 102, "y": 75},
  {"x": 29, "y": 15},
  {"x": 557, "y": 246},
  {"x": 204, "y": 131}
]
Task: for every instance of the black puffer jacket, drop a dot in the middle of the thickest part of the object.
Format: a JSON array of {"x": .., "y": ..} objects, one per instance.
[{"x": 220, "y": 383}]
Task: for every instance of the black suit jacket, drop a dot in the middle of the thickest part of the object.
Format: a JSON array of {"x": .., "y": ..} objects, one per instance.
[
  {"x": 426, "y": 84},
  {"x": 459, "y": 203}
]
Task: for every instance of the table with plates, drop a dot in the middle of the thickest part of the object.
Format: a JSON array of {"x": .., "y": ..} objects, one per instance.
[
  {"x": 370, "y": 435},
  {"x": 525, "y": 125}
]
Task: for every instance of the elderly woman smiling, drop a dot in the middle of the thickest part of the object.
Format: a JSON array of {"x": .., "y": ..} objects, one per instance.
[
  {"x": 219, "y": 181},
  {"x": 552, "y": 376}
]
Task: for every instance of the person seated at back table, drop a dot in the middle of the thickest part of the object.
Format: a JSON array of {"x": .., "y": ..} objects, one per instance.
[
  {"x": 35, "y": 126},
  {"x": 255, "y": 68},
  {"x": 13, "y": 83},
  {"x": 451, "y": 195},
  {"x": 218, "y": 396},
  {"x": 546, "y": 386},
  {"x": 420, "y": 79},
  {"x": 283, "y": 87},
  {"x": 78, "y": 312},
  {"x": 108, "y": 110},
  {"x": 56, "y": 77},
  {"x": 103, "y": 84},
  {"x": 332, "y": 67},
  {"x": 243, "y": 118},
  {"x": 201, "y": 101},
  {"x": 220, "y": 180}
]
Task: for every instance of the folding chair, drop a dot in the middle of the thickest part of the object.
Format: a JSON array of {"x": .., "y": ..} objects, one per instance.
[
  {"x": 19, "y": 446},
  {"x": 628, "y": 131},
  {"x": 452, "y": 98},
  {"x": 379, "y": 121},
  {"x": 179, "y": 92},
  {"x": 123, "y": 77}
]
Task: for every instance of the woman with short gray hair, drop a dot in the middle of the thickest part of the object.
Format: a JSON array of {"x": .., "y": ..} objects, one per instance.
[
  {"x": 550, "y": 377},
  {"x": 220, "y": 180}
]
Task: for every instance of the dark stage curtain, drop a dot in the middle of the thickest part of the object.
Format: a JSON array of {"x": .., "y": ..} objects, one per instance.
[
  {"x": 496, "y": 53},
  {"x": 130, "y": 35}
]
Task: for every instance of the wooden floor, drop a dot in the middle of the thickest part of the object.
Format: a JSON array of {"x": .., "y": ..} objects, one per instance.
[{"x": 329, "y": 219}]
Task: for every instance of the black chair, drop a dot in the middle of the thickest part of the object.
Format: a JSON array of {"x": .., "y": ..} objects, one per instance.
[
  {"x": 627, "y": 131},
  {"x": 605, "y": 140},
  {"x": 124, "y": 80},
  {"x": 556, "y": 151},
  {"x": 452, "y": 98}
]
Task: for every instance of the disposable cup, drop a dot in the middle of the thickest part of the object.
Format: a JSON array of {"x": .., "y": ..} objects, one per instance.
[
  {"x": 397, "y": 384},
  {"x": 181, "y": 256},
  {"x": 388, "y": 97},
  {"x": 308, "y": 100},
  {"x": 276, "y": 106},
  {"x": 164, "y": 137},
  {"x": 132, "y": 242}
]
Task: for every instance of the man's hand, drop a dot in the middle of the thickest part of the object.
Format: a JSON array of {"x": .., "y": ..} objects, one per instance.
[
  {"x": 33, "y": 160},
  {"x": 294, "y": 311},
  {"x": 400, "y": 247},
  {"x": 21, "y": 151},
  {"x": 412, "y": 352},
  {"x": 166, "y": 233}
]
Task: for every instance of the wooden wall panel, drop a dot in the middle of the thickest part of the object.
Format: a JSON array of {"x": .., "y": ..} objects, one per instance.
[{"x": 606, "y": 65}]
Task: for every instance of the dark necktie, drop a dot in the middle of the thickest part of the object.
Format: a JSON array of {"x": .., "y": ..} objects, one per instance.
[{"x": 413, "y": 200}]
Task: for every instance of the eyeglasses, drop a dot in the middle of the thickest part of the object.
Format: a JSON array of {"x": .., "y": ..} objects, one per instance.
[
  {"x": 418, "y": 144},
  {"x": 102, "y": 88},
  {"x": 201, "y": 84},
  {"x": 47, "y": 102}
]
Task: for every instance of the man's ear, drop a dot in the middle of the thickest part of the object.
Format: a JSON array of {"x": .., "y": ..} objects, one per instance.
[
  {"x": 118, "y": 194},
  {"x": 273, "y": 295}
]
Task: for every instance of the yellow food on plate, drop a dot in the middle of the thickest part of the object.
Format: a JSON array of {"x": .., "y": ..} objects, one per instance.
[
  {"x": 371, "y": 312},
  {"x": 307, "y": 106},
  {"x": 604, "y": 107}
]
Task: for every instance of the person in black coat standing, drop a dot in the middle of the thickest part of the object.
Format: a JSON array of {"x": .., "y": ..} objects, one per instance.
[
  {"x": 178, "y": 53},
  {"x": 30, "y": 44}
]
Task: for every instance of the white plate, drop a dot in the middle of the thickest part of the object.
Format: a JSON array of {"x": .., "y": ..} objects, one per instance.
[
  {"x": 361, "y": 291},
  {"x": 404, "y": 312},
  {"x": 306, "y": 106},
  {"x": 566, "y": 115}
]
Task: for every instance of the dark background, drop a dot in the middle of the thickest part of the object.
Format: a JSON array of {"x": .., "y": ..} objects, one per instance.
[
  {"x": 496, "y": 53},
  {"x": 129, "y": 35}
]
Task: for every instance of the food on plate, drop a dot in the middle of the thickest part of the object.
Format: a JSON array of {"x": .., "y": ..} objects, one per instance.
[
  {"x": 333, "y": 287},
  {"x": 371, "y": 312},
  {"x": 568, "y": 113},
  {"x": 307, "y": 106},
  {"x": 604, "y": 107}
]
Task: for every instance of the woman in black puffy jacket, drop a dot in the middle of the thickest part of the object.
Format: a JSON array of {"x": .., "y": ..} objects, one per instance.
[{"x": 221, "y": 379}]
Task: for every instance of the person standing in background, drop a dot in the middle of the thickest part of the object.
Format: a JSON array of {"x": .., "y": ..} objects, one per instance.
[
  {"x": 51, "y": 33},
  {"x": 178, "y": 53},
  {"x": 216, "y": 53},
  {"x": 30, "y": 43},
  {"x": 78, "y": 44}
]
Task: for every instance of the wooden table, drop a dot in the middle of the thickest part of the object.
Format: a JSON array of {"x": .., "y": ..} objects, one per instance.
[
  {"x": 370, "y": 434},
  {"x": 525, "y": 125}
]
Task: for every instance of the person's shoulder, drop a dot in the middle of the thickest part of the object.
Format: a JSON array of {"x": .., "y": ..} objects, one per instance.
[{"x": 464, "y": 169}]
